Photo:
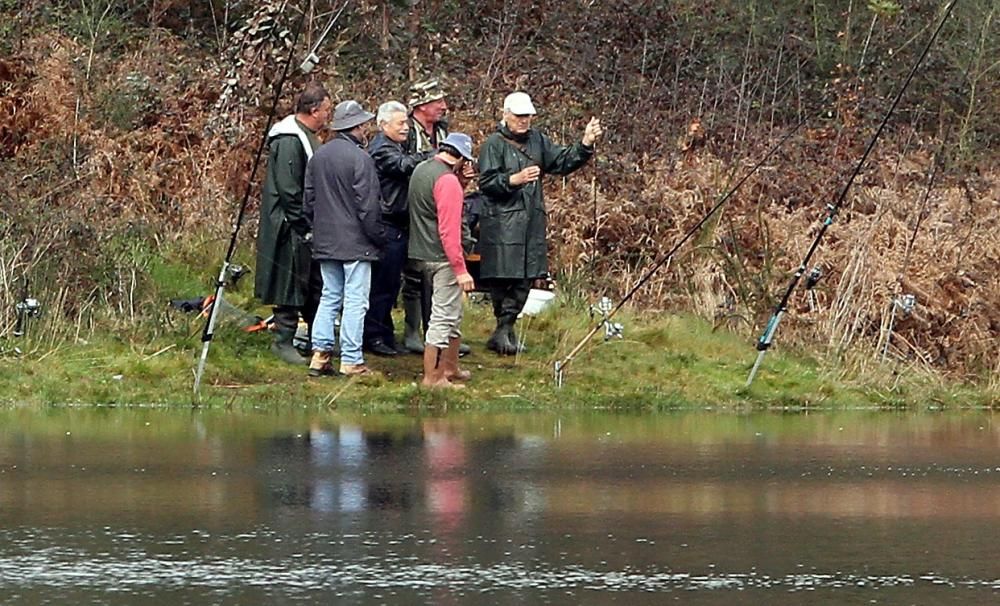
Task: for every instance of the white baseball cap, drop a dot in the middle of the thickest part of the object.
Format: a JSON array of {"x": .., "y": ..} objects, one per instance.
[{"x": 518, "y": 104}]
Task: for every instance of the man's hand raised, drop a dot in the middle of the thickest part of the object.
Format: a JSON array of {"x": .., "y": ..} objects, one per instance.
[{"x": 593, "y": 132}]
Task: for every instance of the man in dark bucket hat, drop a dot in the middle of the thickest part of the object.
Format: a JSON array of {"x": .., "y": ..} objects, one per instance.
[{"x": 342, "y": 202}]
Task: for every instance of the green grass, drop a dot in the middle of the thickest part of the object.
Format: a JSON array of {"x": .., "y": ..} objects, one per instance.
[{"x": 664, "y": 362}]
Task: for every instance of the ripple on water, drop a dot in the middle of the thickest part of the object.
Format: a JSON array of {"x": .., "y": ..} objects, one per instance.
[{"x": 131, "y": 566}]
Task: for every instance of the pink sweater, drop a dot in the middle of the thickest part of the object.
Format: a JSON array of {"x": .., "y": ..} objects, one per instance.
[{"x": 448, "y": 197}]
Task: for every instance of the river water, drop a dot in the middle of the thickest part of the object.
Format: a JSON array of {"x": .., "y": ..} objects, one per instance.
[{"x": 137, "y": 506}]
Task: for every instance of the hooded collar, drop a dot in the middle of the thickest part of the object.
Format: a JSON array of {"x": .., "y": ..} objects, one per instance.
[
  {"x": 291, "y": 126},
  {"x": 506, "y": 132}
]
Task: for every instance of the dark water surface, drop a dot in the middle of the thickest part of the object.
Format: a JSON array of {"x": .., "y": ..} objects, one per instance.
[{"x": 169, "y": 507}]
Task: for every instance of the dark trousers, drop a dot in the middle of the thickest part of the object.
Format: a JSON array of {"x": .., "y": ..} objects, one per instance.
[
  {"x": 416, "y": 289},
  {"x": 387, "y": 277},
  {"x": 509, "y": 296}
]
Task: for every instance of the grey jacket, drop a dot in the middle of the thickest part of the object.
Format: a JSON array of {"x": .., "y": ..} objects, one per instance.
[{"x": 342, "y": 202}]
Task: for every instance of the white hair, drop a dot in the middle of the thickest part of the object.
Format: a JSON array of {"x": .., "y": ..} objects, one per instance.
[{"x": 386, "y": 110}]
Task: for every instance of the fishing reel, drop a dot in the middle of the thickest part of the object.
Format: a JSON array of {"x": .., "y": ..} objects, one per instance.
[
  {"x": 811, "y": 281},
  {"x": 234, "y": 272},
  {"x": 309, "y": 64},
  {"x": 603, "y": 308},
  {"x": 29, "y": 307},
  {"x": 906, "y": 303},
  {"x": 813, "y": 278}
]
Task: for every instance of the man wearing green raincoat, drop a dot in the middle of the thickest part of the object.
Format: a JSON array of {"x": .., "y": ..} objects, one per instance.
[
  {"x": 512, "y": 223},
  {"x": 286, "y": 277}
]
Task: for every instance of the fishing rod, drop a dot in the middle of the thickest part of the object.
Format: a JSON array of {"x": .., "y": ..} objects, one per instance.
[
  {"x": 607, "y": 314},
  {"x": 764, "y": 343},
  {"x": 220, "y": 284},
  {"x": 901, "y": 301},
  {"x": 312, "y": 59}
]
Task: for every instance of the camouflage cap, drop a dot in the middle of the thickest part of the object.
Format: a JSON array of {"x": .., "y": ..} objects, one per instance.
[{"x": 425, "y": 91}]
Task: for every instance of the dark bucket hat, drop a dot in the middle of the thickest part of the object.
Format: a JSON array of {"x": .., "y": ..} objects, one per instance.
[
  {"x": 349, "y": 114},
  {"x": 460, "y": 142}
]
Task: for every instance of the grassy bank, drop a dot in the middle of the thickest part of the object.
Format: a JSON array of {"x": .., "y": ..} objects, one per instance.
[{"x": 665, "y": 361}]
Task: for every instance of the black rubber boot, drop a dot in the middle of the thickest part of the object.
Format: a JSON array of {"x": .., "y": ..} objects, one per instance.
[
  {"x": 286, "y": 322},
  {"x": 413, "y": 338},
  {"x": 503, "y": 340},
  {"x": 508, "y": 298},
  {"x": 412, "y": 294},
  {"x": 497, "y": 340},
  {"x": 285, "y": 350},
  {"x": 514, "y": 344}
]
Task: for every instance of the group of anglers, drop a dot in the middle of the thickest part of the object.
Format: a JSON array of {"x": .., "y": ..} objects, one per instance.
[{"x": 348, "y": 224}]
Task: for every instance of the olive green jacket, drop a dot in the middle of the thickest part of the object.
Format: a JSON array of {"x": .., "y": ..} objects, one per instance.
[
  {"x": 512, "y": 224},
  {"x": 283, "y": 257}
]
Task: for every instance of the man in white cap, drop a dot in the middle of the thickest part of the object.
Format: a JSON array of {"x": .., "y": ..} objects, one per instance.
[
  {"x": 342, "y": 204},
  {"x": 512, "y": 226},
  {"x": 435, "y": 251}
]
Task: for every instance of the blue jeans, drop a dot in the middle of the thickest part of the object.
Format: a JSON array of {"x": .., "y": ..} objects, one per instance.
[{"x": 344, "y": 283}]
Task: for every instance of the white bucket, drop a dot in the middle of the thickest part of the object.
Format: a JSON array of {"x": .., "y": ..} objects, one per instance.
[{"x": 538, "y": 301}]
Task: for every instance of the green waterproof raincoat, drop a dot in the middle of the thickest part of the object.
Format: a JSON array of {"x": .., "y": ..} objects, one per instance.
[
  {"x": 283, "y": 256},
  {"x": 512, "y": 224}
]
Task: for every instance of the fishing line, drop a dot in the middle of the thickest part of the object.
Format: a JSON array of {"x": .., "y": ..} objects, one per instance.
[
  {"x": 560, "y": 365},
  {"x": 764, "y": 343}
]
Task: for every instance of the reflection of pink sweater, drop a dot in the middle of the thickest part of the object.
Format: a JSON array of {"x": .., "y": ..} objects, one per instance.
[{"x": 448, "y": 199}]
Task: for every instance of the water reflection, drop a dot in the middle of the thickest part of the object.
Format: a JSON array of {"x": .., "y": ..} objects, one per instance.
[{"x": 531, "y": 508}]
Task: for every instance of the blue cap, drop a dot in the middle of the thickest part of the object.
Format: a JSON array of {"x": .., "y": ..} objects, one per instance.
[{"x": 461, "y": 142}]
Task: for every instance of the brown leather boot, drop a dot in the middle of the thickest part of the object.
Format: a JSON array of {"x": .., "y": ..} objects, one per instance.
[
  {"x": 434, "y": 368},
  {"x": 320, "y": 365},
  {"x": 449, "y": 362}
]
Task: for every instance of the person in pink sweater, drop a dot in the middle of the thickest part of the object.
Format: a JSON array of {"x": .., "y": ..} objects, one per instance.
[{"x": 435, "y": 199}]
